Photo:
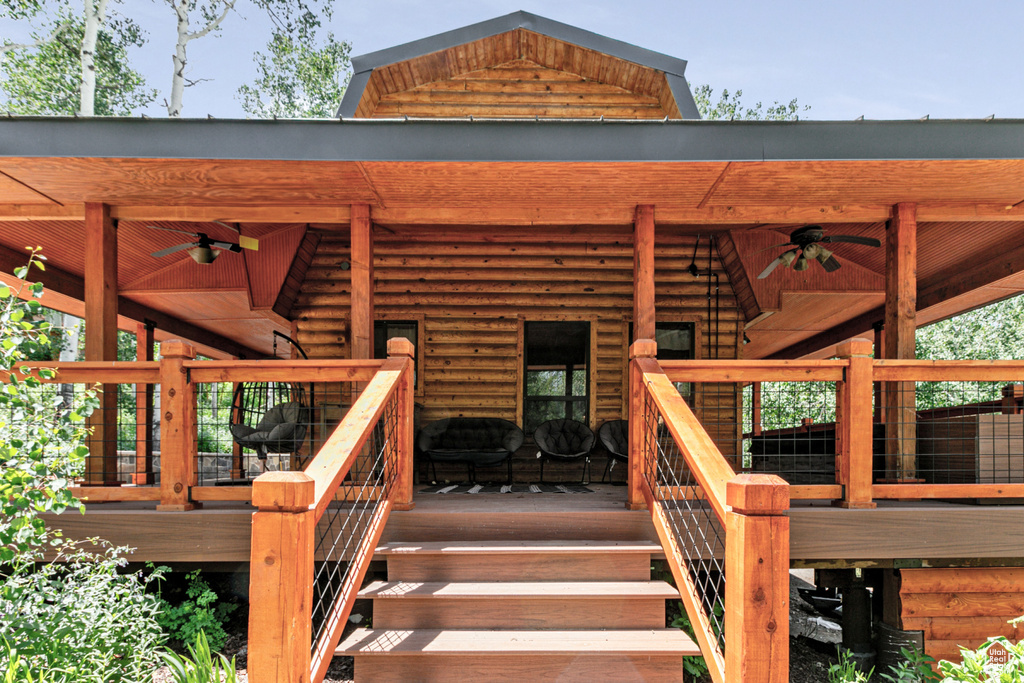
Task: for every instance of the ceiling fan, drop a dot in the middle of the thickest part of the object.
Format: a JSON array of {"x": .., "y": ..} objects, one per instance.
[
  {"x": 205, "y": 250},
  {"x": 807, "y": 243}
]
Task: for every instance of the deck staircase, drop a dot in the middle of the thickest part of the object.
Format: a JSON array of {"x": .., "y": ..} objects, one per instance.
[{"x": 523, "y": 610}]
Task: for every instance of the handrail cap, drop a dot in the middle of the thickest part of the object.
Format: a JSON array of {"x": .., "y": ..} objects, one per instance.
[
  {"x": 400, "y": 346},
  {"x": 858, "y": 346},
  {"x": 283, "y": 491},
  {"x": 757, "y": 494},
  {"x": 643, "y": 348},
  {"x": 176, "y": 348}
]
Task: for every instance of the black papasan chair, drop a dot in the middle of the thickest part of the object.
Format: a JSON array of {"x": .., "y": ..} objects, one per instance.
[
  {"x": 565, "y": 440},
  {"x": 614, "y": 436},
  {"x": 280, "y": 430}
]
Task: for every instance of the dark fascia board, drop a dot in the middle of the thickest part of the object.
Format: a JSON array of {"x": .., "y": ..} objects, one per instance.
[
  {"x": 363, "y": 65},
  {"x": 543, "y": 140}
]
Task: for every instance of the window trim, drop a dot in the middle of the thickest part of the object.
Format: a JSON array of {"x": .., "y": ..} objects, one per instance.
[{"x": 591, "y": 371}]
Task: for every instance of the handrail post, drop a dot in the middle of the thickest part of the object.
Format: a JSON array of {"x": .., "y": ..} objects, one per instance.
[
  {"x": 281, "y": 578},
  {"x": 757, "y": 579},
  {"x": 639, "y": 445},
  {"x": 405, "y": 401},
  {"x": 177, "y": 427},
  {"x": 855, "y": 424}
]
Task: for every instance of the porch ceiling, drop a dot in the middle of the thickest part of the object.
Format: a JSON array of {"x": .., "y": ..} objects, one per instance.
[{"x": 751, "y": 181}]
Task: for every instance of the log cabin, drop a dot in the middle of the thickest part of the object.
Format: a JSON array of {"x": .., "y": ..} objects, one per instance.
[{"x": 515, "y": 221}]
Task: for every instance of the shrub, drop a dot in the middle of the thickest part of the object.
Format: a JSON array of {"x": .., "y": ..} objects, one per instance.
[
  {"x": 199, "y": 612},
  {"x": 77, "y": 619},
  {"x": 977, "y": 668},
  {"x": 846, "y": 671}
]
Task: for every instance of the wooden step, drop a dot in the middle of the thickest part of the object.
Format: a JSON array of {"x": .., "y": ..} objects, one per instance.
[
  {"x": 517, "y": 655},
  {"x": 489, "y": 561},
  {"x": 533, "y": 605}
]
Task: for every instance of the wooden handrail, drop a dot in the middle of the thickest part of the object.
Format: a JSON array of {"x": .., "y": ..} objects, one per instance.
[
  {"x": 208, "y": 371},
  {"x": 948, "y": 370},
  {"x": 337, "y": 455},
  {"x": 94, "y": 372},
  {"x": 754, "y": 370},
  {"x": 704, "y": 458}
]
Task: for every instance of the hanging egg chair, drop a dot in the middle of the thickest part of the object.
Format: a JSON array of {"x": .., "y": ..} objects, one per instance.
[{"x": 272, "y": 417}]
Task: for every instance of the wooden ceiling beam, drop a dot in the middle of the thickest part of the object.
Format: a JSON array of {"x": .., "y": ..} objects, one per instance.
[
  {"x": 613, "y": 213},
  {"x": 69, "y": 291}
]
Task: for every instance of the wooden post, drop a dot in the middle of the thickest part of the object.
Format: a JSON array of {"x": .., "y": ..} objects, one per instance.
[
  {"x": 281, "y": 578},
  {"x": 757, "y": 580},
  {"x": 643, "y": 273},
  {"x": 854, "y": 425},
  {"x": 101, "y": 338},
  {"x": 238, "y": 470},
  {"x": 879, "y": 328},
  {"x": 177, "y": 427},
  {"x": 402, "y": 495},
  {"x": 143, "y": 410},
  {"x": 640, "y": 446},
  {"x": 362, "y": 282},
  {"x": 900, "y": 328}
]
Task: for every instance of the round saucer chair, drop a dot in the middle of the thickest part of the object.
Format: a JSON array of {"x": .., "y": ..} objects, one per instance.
[
  {"x": 614, "y": 436},
  {"x": 564, "y": 441},
  {"x": 269, "y": 417}
]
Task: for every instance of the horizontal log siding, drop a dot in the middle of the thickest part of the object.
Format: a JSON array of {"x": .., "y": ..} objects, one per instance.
[
  {"x": 471, "y": 296},
  {"x": 961, "y": 607}
]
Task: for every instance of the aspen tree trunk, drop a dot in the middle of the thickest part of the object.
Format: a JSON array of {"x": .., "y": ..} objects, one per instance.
[{"x": 95, "y": 14}]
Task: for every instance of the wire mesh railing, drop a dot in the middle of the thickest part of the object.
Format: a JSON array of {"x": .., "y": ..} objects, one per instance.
[
  {"x": 783, "y": 428},
  {"x": 697, "y": 531},
  {"x": 348, "y": 526}
]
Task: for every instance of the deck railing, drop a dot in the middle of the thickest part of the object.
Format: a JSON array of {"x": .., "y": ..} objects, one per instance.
[
  {"x": 726, "y": 537},
  {"x": 315, "y": 532}
]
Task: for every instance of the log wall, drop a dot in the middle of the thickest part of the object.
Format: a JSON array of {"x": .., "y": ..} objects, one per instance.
[
  {"x": 472, "y": 292},
  {"x": 961, "y": 607}
]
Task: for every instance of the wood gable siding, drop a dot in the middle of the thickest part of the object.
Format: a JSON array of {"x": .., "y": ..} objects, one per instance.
[
  {"x": 517, "y": 74},
  {"x": 473, "y": 294}
]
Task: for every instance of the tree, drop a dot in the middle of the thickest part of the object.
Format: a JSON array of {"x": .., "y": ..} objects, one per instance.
[
  {"x": 297, "y": 79},
  {"x": 288, "y": 16},
  {"x": 72, "y": 73},
  {"x": 29, "y": 11},
  {"x": 728, "y": 106}
]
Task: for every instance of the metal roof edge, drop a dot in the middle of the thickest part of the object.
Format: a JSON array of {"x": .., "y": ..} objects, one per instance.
[{"x": 493, "y": 140}]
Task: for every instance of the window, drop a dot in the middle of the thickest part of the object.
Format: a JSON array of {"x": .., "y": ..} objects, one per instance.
[
  {"x": 675, "y": 342},
  {"x": 556, "y": 365},
  {"x": 383, "y": 330}
]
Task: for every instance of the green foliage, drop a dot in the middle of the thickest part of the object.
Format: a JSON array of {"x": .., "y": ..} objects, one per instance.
[
  {"x": 202, "y": 667},
  {"x": 915, "y": 668},
  {"x": 297, "y": 79},
  {"x": 199, "y": 612},
  {"x": 729, "y": 107},
  {"x": 845, "y": 671},
  {"x": 41, "y": 440},
  {"x": 993, "y": 332},
  {"x": 694, "y": 666},
  {"x": 76, "y": 619},
  {"x": 976, "y": 667},
  {"x": 48, "y": 80}
]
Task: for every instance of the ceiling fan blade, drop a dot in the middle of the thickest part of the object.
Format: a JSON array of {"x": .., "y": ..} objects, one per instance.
[
  {"x": 175, "y": 248},
  {"x": 774, "y": 246},
  {"x": 771, "y": 266},
  {"x": 183, "y": 232},
  {"x": 831, "y": 264},
  {"x": 227, "y": 246},
  {"x": 853, "y": 239},
  {"x": 244, "y": 241}
]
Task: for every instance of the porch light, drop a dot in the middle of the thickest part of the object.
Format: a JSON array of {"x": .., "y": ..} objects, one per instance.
[{"x": 203, "y": 255}]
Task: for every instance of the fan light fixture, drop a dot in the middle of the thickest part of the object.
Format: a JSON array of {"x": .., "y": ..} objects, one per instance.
[{"x": 807, "y": 244}]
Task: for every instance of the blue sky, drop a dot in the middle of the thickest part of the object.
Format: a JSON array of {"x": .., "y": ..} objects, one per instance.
[{"x": 890, "y": 59}]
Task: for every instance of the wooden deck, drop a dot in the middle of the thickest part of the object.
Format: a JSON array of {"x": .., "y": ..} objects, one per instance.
[{"x": 820, "y": 534}]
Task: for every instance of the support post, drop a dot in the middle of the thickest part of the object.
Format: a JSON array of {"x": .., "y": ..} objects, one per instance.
[
  {"x": 643, "y": 273},
  {"x": 900, "y": 328},
  {"x": 361, "y": 333},
  {"x": 757, "y": 579},
  {"x": 402, "y": 495},
  {"x": 879, "y": 328},
  {"x": 281, "y": 578},
  {"x": 640, "y": 447},
  {"x": 854, "y": 425},
  {"x": 177, "y": 427},
  {"x": 143, "y": 410},
  {"x": 101, "y": 339}
]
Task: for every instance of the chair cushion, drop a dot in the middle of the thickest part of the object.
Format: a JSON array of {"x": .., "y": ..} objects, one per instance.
[
  {"x": 482, "y": 440},
  {"x": 614, "y": 436}
]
